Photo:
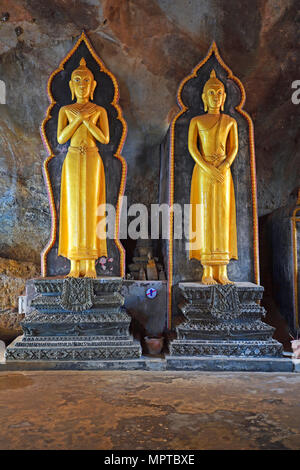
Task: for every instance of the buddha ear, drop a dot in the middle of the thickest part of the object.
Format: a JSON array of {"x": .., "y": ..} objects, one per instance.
[
  {"x": 94, "y": 84},
  {"x": 72, "y": 89},
  {"x": 224, "y": 98},
  {"x": 204, "y": 101}
]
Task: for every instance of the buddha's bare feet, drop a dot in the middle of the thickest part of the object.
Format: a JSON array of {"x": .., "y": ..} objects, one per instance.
[
  {"x": 220, "y": 274},
  {"x": 74, "y": 273},
  {"x": 207, "y": 276},
  {"x": 90, "y": 270},
  {"x": 223, "y": 279},
  {"x": 208, "y": 280},
  {"x": 81, "y": 268},
  {"x": 91, "y": 273}
]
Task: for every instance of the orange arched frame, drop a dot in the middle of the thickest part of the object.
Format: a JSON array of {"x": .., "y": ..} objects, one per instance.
[
  {"x": 117, "y": 155},
  {"x": 212, "y": 50}
]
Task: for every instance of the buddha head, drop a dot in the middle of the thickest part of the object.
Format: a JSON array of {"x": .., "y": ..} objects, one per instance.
[
  {"x": 213, "y": 95},
  {"x": 82, "y": 83}
]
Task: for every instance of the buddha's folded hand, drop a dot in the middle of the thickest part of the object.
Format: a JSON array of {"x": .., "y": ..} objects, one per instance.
[
  {"x": 224, "y": 166},
  {"x": 85, "y": 114},
  {"x": 216, "y": 174}
]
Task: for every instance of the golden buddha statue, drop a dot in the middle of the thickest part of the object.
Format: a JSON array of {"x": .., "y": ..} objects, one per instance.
[
  {"x": 213, "y": 144},
  {"x": 83, "y": 177}
]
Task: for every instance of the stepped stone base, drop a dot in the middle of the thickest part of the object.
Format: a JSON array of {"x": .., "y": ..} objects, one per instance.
[
  {"x": 230, "y": 364},
  {"x": 246, "y": 349},
  {"x": 70, "y": 349},
  {"x": 224, "y": 322},
  {"x": 75, "y": 320},
  {"x": 204, "y": 364},
  {"x": 65, "y": 354}
]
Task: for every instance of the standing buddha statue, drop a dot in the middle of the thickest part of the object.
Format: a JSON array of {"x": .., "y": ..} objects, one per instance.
[
  {"x": 213, "y": 144},
  {"x": 83, "y": 177}
]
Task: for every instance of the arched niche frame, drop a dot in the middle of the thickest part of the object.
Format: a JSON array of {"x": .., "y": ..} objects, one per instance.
[
  {"x": 181, "y": 165},
  {"x": 106, "y": 94}
]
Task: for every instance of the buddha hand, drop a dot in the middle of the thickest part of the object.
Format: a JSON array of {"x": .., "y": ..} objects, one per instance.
[
  {"x": 224, "y": 166},
  {"x": 216, "y": 174}
]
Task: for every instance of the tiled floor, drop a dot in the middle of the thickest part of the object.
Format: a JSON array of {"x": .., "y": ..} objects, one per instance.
[{"x": 149, "y": 410}]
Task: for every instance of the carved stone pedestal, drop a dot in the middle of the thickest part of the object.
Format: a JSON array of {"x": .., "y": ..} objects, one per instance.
[
  {"x": 224, "y": 331},
  {"x": 76, "y": 320}
]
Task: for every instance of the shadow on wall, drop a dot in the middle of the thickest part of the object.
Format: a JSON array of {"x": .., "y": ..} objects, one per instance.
[{"x": 274, "y": 316}]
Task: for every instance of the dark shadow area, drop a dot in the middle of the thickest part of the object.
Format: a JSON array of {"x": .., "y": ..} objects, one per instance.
[{"x": 273, "y": 316}]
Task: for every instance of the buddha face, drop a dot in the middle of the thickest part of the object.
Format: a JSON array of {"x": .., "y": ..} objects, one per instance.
[
  {"x": 82, "y": 85},
  {"x": 214, "y": 97}
]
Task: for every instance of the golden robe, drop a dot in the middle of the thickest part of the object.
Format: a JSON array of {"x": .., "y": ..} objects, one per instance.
[
  {"x": 82, "y": 191},
  {"x": 216, "y": 238}
]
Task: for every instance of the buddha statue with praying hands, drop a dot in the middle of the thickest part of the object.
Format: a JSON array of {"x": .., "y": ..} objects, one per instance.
[
  {"x": 83, "y": 177},
  {"x": 213, "y": 144}
]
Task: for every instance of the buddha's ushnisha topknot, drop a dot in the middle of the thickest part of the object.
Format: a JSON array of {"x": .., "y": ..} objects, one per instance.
[
  {"x": 82, "y": 67},
  {"x": 213, "y": 80}
]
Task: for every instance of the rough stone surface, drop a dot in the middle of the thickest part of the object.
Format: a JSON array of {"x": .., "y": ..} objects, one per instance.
[
  {"x": 13, "y": 276},
  {"x": 149, "y": 410},
  {"x": 223, "y": 363}
]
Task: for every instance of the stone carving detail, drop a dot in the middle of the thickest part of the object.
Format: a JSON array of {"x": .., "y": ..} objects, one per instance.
[
  {"x": 76, "y": 295},
  {"x": 240, "y": 348},
  {"x": 230, "y": 328},
  {"x": 223, "y": 320},
  {"x": 53, "y": 303},
  {"x": 81, "y": 319},
  {"x": 64, "y": 340},
  {"x": 84, "y": 354},
  {"x": 225, "y": 301},
  {"x": 47, "y": 287},
  {"x": 37, "y": 317}
]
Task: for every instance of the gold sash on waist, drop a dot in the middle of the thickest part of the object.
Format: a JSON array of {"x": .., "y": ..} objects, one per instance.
[
  {"x": 215, "y": 158},
  {"x": 82, "y": 149}
]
